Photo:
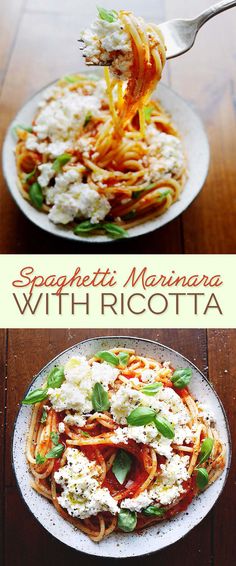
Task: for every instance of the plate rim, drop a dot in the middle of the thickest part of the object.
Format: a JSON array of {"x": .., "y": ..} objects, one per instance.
[
  {"x": 68, "y": 234},
  {"x": 229, "y": 441}
]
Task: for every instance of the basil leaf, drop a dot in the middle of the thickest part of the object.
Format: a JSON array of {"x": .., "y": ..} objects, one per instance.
[
  {"x": 137, "y": 194},
  {"x": 162, "y": 195},
  {"x": 206, "y": 449},
  {"x": 20, "y": 127},
  {"x": 127, "y": 520},
  {"x": 87, "y": 119},
  {"x": 84, "y": 433},
  {"x": 164, "y": 427},
  {"x": 56, "y": 377},
  {"x": 86, "y": 226},
  {"x": 100, "y": 398},
  {"x": 56, "y": 452},
  {"x": 114, "y": 230},
  {"x": 44, "y": 416},
  {"x": 35, "y": 396},
  {"x": 36, "y": 195},
  {"x": 123, "y": 359},
  {"x": 108, "y": 357},
  {"x": 153, "y": 511},
  {"x": 71, "y": 79},
  {"x": 107, "y": 15},
  {"x": 202, "y": 478},
  {"x": 152, "y": 388},
  {"x": 148, "y": 110},
  {"x": 181, "y": 377},
  {"x": 129, "y": 215},
  {"x": 60, "y": 161},
  {"x": 40, "y": 459},
  {"x": 141, "y": 416},
  {"x": 121, "y": 465},
  {"x": 55, "y": 438},
  {"x": 29, "y": 176}
]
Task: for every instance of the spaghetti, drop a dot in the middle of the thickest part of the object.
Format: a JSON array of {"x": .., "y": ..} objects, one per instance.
[
  {"x": 118, "y": 442},
  {"x": 100, "y": 156}
]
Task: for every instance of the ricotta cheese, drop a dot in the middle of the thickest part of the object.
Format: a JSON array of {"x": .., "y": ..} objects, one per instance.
[
  {"x": 80, "y": 201},
  {"x": 165, "y": 156},
  {"x": 81, "y": 494}
]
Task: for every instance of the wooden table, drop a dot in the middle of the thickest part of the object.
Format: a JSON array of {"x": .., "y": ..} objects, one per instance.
[
  {"x": 23, "y": 353},
  {"x": 38, "y": 44}
]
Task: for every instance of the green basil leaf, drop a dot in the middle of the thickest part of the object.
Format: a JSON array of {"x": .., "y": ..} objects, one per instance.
[
  {"x": 55, "y": 438},
  {"x": 148, "y": 110},
  {"x": 44, "y": 416},
  {"x": 20, "y": 127},
  {"x": 36, "y": 195},
  {"x": 56, "y": 377},
  {"x": 164, "y": 427},
  {"x": 35, "y": 396},
  {"x": 152, "y": 388},
  {"x": 100, "y": 398},
  {"x": 87, "y": 119},
  {"x": 130, "y": 215},
  {"x": 153, "y": 511},
  {"x": 71, "y": 78},
  {"x": 123, "y": 359},
  {"x": 29, "y": 176},
  {"x": 206, "y": 449},
  {"x": 114, "y": 230},
  {"x": 181, "y": 377},
  {"x": 56, "y": 452},
  {"x": 162, "y": 195},
  {"x": 202, "y": 478},
  {"x": 137, "y": 194},
  {"x": 84, "y": 433},
  {"x": 107, "y": 15},
  {"x": 121, "y": 465},
  {"x": 40, "y": 459},
  {"x": 60, "y": 161},
  {"x": 108, "y": 357},
  {"x": 86, "y": 226},
  {"x": 141, "y": 416},
  {"x": 127, "y": 520}
]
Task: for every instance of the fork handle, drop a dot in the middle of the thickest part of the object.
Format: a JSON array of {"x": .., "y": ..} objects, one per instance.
[{"x": 213, "y": 11}]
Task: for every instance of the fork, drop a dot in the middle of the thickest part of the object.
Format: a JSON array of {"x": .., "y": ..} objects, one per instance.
[{"x": 180, "y": 35}]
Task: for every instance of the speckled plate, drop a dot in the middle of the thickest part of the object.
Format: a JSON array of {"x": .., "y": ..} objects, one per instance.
[
  {"x": 196, "y": 147},
  {"x": 121, "y": 545}
]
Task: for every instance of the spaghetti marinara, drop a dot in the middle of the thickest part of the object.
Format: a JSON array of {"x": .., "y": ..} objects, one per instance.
[
  {"x": 100, "y": 155},
  {"x": 117, "y": 442}
]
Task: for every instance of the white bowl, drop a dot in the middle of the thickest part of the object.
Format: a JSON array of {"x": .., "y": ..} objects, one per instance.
[
  {"x": 153, "y": 538},
  {"x": 196, "y": 147}
]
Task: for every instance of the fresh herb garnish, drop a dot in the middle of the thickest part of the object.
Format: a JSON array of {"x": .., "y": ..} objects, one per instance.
[
  {"x": 60, "y": 161},
  {"x": 108, "y": 357},
  {"x": 130, "y": 215},
  {"x": 137, "y": 194},
  {"x": 111, "y": 229},
  {"x": 84, "y": 433},
  {"x": 141, "y": 416},
  {"x": 20, "y": 127},
  {"x": 87, "y": 119},
  {"x": 163, "y": 195},
  {"x": 206, "y": 449},
  {"x": 55, "y": 438},
  {"x": 127, "y": 520},
  {"x": 202, "y": 478},
  {"x": 86, "y": 226},
  {"x": 40, "y": 459},
  {"x": 44, "y": 416},
  {"x": 71, "y": 79},
  {"x": 56, "y": 377},
  {"x": 36, "y": 195},
  {"x": 100, "y": 400},
  {"x": 35, "y": 396},
  {"x": 29, "y": 175},
  {"x": 152, "y": 388},
  {"x": 114, "y": 230},
  {"x": 107, "y": 15},
  {"x": 121, "y": 466},
  {"x": 148, "y": 110},
  {"x": 123, "y": 358},
  {"x": 181, "y": 377},
  {"x": 164, "y": 427},
  {"x": 55, "y": 452},
  {"x": 153, "y": 511}
]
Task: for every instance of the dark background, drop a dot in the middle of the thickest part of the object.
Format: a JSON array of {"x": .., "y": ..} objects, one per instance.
[
  {"x": 24, "y": 541},
  {"x": 38, "y": 43}
]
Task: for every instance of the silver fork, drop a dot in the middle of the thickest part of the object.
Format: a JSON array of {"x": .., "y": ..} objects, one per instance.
[{"x": 180, "y": 35}]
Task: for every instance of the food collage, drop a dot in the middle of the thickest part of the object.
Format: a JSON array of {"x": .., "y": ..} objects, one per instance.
[{"x": 118, "y": 145}]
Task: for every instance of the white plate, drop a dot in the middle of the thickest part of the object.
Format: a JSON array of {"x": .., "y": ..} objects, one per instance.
[
  {"x": 121, "y": 545},
  {"x": 196, "y": 147}
]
